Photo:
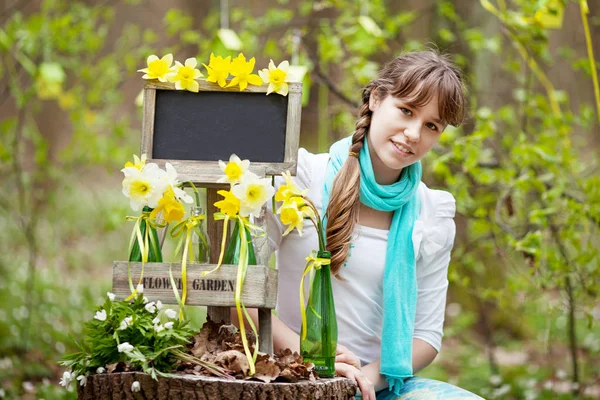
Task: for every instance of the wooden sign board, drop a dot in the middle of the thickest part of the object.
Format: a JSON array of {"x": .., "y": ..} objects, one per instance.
[
  {"x": 193, "y": 131},
  {"x": 215, "y": 289}
]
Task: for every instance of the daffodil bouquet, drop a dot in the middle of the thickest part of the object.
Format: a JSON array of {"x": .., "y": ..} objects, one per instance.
[
  {"x": 159, "y": 194},
  {"x": 244, "y": 200},
  {"x": 318, "y": 335}
]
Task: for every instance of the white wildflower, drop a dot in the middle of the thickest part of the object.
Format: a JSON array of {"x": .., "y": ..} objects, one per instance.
[
  {"x": 28, "y": 387},
  {"x": 100, "y": 370},
  {"x": 100, "y": 315},
  {"x": 124, "y": 347},
  {"x": 66, "y": 379},
  {"x": 111, "y": 296},
  {"x": 495, "y": 380},
  {"x": 125, "y": 323},
  {"x": 158, "y": 328},
  {"x": 140, "y": 288},
  {"x": 156, "y": 320},
  {"x": 82, "y": 380},
  {"x": 150, "y": 307},
  {"x": 171, "y": 313},
  {"x": 159, "y": 305},
  {"x": 169, "y": 325},
  {"x": 135, "y": 386}
]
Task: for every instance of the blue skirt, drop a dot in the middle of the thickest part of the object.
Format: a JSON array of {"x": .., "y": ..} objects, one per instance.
[{"x": 417, "y": 388}]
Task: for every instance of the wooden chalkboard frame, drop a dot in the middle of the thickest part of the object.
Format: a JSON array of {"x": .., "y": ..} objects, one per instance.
[{"x": 206, "y": 173}]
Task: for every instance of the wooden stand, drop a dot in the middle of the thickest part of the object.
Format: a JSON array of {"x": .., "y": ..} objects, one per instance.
[{"x": 118, "y": 386}]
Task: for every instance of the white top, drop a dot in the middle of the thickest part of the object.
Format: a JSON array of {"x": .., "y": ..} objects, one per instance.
[{"x": 359, "y": 298}]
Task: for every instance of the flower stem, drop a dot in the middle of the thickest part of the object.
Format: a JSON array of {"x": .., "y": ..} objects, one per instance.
[
  {"x": 318, "y": 224},
  {"x": 195, "y": 191}
]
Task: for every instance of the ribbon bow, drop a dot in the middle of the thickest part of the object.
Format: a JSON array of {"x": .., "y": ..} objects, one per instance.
[{"x": 312, "y": 263}]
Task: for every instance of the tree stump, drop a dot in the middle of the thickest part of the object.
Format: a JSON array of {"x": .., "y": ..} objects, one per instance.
[{"x": 118, "y": 386}]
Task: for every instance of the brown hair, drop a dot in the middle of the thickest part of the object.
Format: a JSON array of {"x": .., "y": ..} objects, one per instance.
[{"x": 414, "y": 77}]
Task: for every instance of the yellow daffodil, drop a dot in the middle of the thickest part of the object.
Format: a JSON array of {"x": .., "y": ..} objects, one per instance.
[
  {"x": 172, "y": 209},
  {"x": 230, "y": 205},
  {"x": 139, "y": 162},
  {"x": 277, "y": 77},
  {"x": 292, "y": 216},
  {"x": 185, "y": 75},
  {"x": 242, "y": 72},
  {"x": 218, "y": 69},
  {"x": 234, "y": 169},
  {"x": 253, "y": 192},
  {"x": 285, "y": 192},
  {"x": 144, "y": 187},
  {"x": 158, "y": 68}
]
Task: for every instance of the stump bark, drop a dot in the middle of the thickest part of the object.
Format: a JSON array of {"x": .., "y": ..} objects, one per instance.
[{"x": 118, "y": 386}]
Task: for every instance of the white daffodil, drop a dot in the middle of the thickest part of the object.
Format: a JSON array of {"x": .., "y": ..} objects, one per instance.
[
  {"x": 158, "y": 328},
  {"x": 125, "y": 323},
  {"x": 135, "y": 386},
  {"x": 140, "y": 288},
  {"x": 171, "y": 313},
  {"x": 150, "y": 307},
  {"x": 234, "y": 170},
  {"x": 111, "y": 296},
  {"x": 82, "y": 380},
  {"x": 277, "y": 77},
  {"x": 100, "y": 315},
  {"x": 169, "y": 325},
  {"x": 100, "y": 370},
  {"x": 124, "y": 347},
  {"x": 171, "y": 179},
  {"x": 66, "y": 379},
  {"x": 144, "y": 187},
  {"x": 159, "y": 305},
  {"x": 253, "y": 192}
]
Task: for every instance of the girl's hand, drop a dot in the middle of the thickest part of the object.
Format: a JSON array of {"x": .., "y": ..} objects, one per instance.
[
  {"x": 364, "y": 384},
  {"x": 343, "y": 355}
]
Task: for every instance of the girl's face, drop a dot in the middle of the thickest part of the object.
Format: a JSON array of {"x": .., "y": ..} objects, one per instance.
[{"x": 400, "y": 135}]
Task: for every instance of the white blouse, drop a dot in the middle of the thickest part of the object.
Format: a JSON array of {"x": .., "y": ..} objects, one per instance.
[{"x": 359, "y": 297}]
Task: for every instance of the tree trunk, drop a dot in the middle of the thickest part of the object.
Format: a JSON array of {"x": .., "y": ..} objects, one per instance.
[{"x": 118, "y": 386}]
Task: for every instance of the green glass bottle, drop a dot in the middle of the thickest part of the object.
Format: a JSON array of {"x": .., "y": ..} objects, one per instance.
[
  {"x": 154, "y": 252},
  {"x": 232, "y": 253},
  {"x": 320, "y": 344}
]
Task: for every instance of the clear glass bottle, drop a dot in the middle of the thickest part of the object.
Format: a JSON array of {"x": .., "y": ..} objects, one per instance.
[
  {"x": 200, "y": 240},
  {"x": 320, "y": 344}
]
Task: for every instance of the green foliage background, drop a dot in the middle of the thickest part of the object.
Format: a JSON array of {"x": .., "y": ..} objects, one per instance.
[{"x": 525, "y": 273}]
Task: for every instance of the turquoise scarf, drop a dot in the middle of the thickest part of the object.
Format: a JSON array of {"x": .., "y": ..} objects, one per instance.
[{"x": 399, "y": 280}]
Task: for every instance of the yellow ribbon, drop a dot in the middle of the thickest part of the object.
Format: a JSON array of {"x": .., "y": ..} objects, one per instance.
[
  {"x": 143, "y": 244},
  {"x": 588, "y": 39},
  {"x": 312, "y": 263},
  {"x": 186, "y": 226},
  {"x": 243, "y": 224}
]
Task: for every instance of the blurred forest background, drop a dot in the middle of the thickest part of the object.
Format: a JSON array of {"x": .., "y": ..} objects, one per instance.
[{"x": 523, "y": 309}]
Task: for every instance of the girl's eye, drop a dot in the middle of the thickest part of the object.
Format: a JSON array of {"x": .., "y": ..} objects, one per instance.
[
  {"x": 432, "y": 126},
  {"x": 406, "y": 111}
]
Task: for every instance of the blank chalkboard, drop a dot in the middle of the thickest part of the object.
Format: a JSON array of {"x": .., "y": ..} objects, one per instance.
[
  {"x": 210, "y": 126},
  {"x": 193, "y": 131}
]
